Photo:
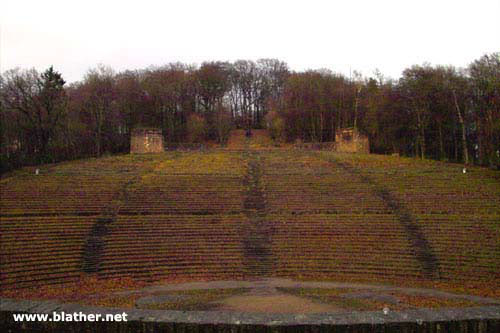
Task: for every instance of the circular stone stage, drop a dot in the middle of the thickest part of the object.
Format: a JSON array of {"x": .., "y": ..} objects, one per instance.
[{"x": 274, "y": 304}]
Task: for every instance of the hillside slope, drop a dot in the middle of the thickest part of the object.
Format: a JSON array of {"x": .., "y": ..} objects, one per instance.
[{"x": 251, "y": 213}]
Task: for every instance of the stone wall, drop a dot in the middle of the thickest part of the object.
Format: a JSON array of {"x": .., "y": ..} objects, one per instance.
[
  {"x": 146, "y": 140},
  {"x": 349, "y": 140},
  {"x": 315, "y": 145},
  {"x": 474, "y": 319}
]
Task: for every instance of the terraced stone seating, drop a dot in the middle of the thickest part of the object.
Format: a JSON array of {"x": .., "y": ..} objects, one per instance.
[
  {"x": 188, "y": 246},
  {"x": 457, "y": 213},
  {"x": 186, "y": 194},
  {"x": 65, "y": 194},
  {"x": 245, "y": 214},
  {"x": 120, "y": 217},
  {"x": 321, "y": 193},
  {"x": 42, "y": 250},
  {"x": 331, "y": 223},
  {"x": 466, "y": 245},
  {"x": 339, "y": 245}
]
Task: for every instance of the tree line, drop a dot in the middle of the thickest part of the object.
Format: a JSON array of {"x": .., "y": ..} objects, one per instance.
[{"x": 439, "y": 112}]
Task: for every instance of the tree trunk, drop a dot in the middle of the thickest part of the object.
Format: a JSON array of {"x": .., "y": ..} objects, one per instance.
[
  {"x": 98, "y": 142},
  {"x": 333, "y": 127},
  {"x": 421, "y": 135},
  {"x": 313, "y": 128},
  {"x": 356, "y": 107},
  {"x": 455, "y": 144},
  {"x": 441, "y": 144},
  {"x": 480, "y": 147},
  {"x": 422, "y": 143},
  {"x": 417, "y": 145},
  {"x": 462, "y": 125},
  {"x": 321, "y": 127},
  {"x": 99, "y": 123}
]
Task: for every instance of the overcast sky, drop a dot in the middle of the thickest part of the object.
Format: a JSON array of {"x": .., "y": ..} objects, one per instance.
[{"x": 339, "y": 35}]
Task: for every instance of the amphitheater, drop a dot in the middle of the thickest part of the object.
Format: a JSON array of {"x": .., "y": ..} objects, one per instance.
[{"x": 252, "y": 237}]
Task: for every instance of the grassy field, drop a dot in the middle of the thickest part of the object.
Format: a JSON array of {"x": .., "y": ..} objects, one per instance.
[{"x": 179, "y": 216}]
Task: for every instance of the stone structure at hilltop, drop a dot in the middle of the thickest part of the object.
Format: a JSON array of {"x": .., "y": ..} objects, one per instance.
[
  {"x": 350, "y": 140},
  {"x": 146, "y": 140}
]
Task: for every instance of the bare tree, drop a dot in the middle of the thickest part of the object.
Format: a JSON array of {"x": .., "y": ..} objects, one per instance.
[{"x": 39, "y": 100}]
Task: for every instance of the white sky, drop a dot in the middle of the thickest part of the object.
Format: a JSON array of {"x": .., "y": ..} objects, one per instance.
[{"x": 340, "y": 35}]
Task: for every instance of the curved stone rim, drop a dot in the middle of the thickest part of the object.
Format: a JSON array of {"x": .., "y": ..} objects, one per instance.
[
  {"x": 289, "y": 283},
  {"x": 489, "y": 311}
]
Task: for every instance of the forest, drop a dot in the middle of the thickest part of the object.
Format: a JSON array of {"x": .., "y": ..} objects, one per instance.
[{"x": 432, "y": 111}]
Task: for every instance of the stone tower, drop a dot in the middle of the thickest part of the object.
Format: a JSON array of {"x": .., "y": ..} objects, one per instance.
[
  {"x": 146, "y": 140},
  {"x": 349, "y": 140}
]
